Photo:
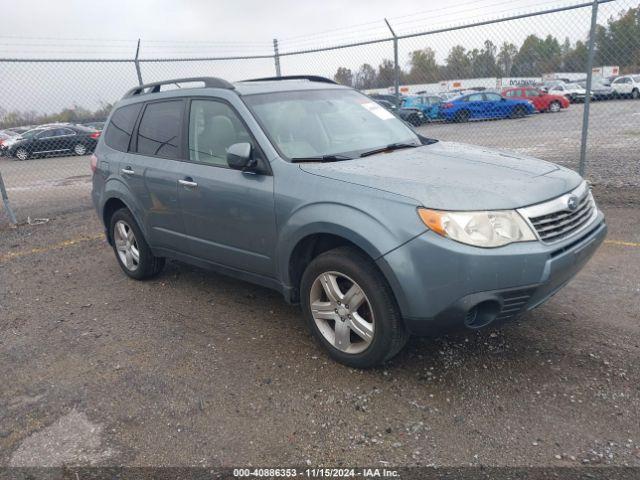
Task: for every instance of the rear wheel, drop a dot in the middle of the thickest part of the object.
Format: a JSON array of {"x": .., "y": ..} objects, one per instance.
[
  {"x": 635, "y": 94},
  {"x": 554, "y": 107},
  {"x": 80, "y": 149},
  {"x": 462, "y": 116},
  {"x": 22, "y": 154},
  {"x": 132, "y": 251},
  {"x": 350, "y": 308},
  {"x": 415, "y": 120}
]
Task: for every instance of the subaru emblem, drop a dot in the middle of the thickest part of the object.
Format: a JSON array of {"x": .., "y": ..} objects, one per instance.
[{"x": 572, "y": 202}]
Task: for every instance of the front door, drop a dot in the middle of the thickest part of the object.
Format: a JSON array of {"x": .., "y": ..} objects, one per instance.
[{"x": 229, "y": 215}]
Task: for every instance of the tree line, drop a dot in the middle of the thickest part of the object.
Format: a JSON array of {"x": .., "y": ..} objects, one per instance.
[
  {"x": 616, "y": 43},
  {"x": 73, "y": 114}
]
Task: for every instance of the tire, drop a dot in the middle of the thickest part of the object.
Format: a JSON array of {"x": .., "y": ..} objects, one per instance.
[
  {"x": 635, "y": 94},
  {"x": 414, "y": 120},
  {"x": 22, "y": 154},
  {"x": 462, "y": 116},
  {"x": 80, "y": 149},
  {"x": 554, "y": 107},
  {"x": 518, "y": 112},
  {"x": 377, "y": 310},
  {"x": 127, "y": 242}
]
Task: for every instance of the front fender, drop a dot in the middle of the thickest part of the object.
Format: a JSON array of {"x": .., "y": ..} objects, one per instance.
[{"x": 355, "y": 225}]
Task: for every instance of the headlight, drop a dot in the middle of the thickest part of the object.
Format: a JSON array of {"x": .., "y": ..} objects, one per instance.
[{"x": 481, "y": 229}]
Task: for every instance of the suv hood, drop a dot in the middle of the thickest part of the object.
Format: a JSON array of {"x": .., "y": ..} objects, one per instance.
[{"x": 455, "y": 176}]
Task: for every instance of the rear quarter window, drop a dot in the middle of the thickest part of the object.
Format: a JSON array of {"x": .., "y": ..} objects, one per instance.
[{"x": 120, "y": 128}]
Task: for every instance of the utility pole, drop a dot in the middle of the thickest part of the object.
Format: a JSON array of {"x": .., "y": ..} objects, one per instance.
[
  {"x": 276, "y": 57},
  {"x": 587, "y": 99},
  {"x": 137, "y": 62},
  {"x": 396, "y": 67}
]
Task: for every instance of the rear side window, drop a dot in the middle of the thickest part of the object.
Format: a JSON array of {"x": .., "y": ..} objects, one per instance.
[
  {"x": 120, "y": 127},
  {"x": 159, "y": 129}
]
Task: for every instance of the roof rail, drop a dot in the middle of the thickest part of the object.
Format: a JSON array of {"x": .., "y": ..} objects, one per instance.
[
  {"x": 154, "y": 87},
  {"x": 311, "y": 78}
]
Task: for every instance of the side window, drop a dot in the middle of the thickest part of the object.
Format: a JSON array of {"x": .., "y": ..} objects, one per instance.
[
  {"x": 510, "y": 93},
  {"x": 120, "y": 127},
  {"x": 214, "y": 127},
  {"x": 65, "y": 131},
  {"x": 476, "y": 97},
  {"x": 159, "y": 129},
  {"x": 532, "y": 93},
  {"x": 492, "y": 97},
  {"x": 46, "y": 133}
]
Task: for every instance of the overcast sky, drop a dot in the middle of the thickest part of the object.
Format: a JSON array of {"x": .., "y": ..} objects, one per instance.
[
  {"x": 164, "y": 24},
  {"x": 205, "y": 28}
]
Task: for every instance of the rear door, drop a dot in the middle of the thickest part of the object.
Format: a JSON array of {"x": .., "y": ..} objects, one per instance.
[
  {"x": 229, "y": 215},
  {"x": 65, "y": 139},
  {"x": 151, "y": 168}
]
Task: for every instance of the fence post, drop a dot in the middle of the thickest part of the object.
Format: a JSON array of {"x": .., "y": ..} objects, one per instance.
[
  {"x": 5, "y": 200},
  {"x": 137, "y": 63},
  {"x": 587, "y": 99},
  {"x": 276, "y": 57},
  {"x": 396, "y": 67}
]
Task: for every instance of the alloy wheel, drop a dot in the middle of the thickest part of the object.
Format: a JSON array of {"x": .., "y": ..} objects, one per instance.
[
  {"x": 554, "y": 107},
  {"x": 342, "y": 312},
  {"x": 126, "y": 245},
  {"x": 22, "y": 154},
  {"x": 80, "y": 149}
]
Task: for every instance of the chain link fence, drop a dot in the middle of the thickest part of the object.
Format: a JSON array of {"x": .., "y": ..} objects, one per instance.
[{"x": 569, "y": 76}]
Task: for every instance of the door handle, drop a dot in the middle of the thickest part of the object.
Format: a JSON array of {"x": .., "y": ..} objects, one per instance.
[
  {"x": 127, "y": 171},
  {"x": 188, "y": 182}
]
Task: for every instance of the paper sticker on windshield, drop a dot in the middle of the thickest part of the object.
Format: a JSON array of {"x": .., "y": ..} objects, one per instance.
[{"x": 377, "y": 110}]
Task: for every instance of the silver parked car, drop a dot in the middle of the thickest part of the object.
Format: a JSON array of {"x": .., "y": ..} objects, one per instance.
[{"x": 316, "y": 191}]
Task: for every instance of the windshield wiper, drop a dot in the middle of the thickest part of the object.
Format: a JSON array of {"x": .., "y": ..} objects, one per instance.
[
  {"x": 389, "y": 148},
  {"x": 321, "y": 158}
]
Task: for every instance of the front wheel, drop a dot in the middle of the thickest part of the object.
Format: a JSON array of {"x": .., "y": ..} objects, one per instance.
[
  {"x": 635, "y": 94},
  {"x": 132, "y": 251},
  {"x": 350, "y": 308},
  {"x": 518, "y": 112}
]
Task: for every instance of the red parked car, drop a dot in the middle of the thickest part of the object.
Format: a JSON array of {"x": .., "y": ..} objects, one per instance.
[{"x": 542, "y": 101}]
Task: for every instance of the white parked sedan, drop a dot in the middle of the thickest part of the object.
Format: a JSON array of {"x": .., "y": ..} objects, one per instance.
[{"x": 572, "y": 91}]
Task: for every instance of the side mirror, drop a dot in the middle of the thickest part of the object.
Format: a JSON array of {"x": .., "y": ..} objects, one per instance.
[{"x": 239, "y": 157}]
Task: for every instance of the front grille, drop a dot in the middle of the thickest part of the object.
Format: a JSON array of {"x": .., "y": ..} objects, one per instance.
[{"x": 554, "y": 220}]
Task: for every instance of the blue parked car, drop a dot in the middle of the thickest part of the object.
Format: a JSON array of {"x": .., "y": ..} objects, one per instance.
[
  {"x": 484, "y": 105},
  {"x": 429, "y": 105}
]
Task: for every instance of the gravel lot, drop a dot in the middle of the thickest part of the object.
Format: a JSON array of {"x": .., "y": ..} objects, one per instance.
[
  {"x": 48, "y": 186},
  {"x": 193, "y": 368}
]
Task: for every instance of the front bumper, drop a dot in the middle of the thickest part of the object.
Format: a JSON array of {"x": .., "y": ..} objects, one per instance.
[{"x": 438, "y": 282}]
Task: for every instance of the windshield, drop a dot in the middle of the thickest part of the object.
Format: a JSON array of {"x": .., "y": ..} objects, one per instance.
[
  {"x": 317, "y": 123},
  {"x": 636, "y": 78}
]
